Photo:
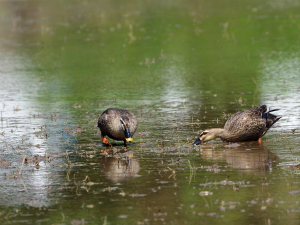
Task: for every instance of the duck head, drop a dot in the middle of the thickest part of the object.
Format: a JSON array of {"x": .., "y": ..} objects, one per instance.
[
  {"x": 125, "y": 125},
  {"x": 208, "y": 135}
]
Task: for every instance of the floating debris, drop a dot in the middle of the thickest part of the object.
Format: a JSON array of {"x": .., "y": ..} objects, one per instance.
[
  {"x": 37, "y": 159},
  {"x": 4, "y": 163},
  {"x": 205, "y": 193}
]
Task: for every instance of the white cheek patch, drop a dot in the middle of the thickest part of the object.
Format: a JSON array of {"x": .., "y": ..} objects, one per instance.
[{"x": 122, "y": 124}]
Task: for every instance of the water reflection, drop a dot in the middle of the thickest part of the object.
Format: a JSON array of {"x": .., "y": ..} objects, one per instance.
[
  {"x": 249, "y": 156},
  {"x": 281, "y": 71},
  {"x": 120, "y": 168},
  {"x": 174, "y": 96},
  {"x": 24, "y": 132}
]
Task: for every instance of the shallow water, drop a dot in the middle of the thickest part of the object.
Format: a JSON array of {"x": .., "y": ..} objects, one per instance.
[{"x": 181, "y": 67}]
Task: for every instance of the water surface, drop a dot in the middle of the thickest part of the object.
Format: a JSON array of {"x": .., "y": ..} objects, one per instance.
[{"x": 181, "y": 67}]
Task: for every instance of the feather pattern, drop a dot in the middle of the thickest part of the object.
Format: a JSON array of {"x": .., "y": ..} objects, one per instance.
[
  {"x": 248, "y": 125},
  {"x": 112, "y": 120}
]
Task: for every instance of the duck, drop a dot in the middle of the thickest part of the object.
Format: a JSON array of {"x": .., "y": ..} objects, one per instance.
[
  {"x": 248, "y": 125},
  {"x": 117, "y": 124}
]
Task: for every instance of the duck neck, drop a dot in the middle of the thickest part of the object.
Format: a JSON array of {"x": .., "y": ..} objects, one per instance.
[
  {"x": 223, "y": 134},
  {"x": 218, "y": 132}
]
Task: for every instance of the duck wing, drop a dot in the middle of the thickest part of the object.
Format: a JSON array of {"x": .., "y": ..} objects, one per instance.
[
  {"x": 246, "y": 125},
  {"x": 109, "y": 123}
]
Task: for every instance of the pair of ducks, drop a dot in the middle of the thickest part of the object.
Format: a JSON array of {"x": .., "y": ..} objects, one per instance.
[{"x": 248, "y": 125}]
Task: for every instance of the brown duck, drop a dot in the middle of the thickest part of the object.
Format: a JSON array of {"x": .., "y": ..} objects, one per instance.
[
  {"x": 248, "y": 125},
  {"x": 118, "y": 124}
]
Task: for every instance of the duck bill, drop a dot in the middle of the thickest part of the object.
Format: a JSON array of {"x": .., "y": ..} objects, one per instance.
[
  {"x": 197, "y": 142},
  {"x": 128, "y": 137}
]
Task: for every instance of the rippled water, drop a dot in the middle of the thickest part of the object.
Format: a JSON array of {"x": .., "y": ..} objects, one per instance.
[{"x": 181, "y": 67}]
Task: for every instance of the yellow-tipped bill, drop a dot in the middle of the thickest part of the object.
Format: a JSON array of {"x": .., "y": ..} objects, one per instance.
[{"x": 129, "y": 139}]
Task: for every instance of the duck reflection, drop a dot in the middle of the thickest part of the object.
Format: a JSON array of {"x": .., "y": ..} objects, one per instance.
[
  {"x": 248, "y": 156},
  {"x": 120, "y": 167}
]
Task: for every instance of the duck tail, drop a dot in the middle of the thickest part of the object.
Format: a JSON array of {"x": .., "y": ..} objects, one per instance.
[
  {"x": 268, "y": 115},
  {"x": 272, "y": 119},
  {"x": 273, "y": 110}
]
